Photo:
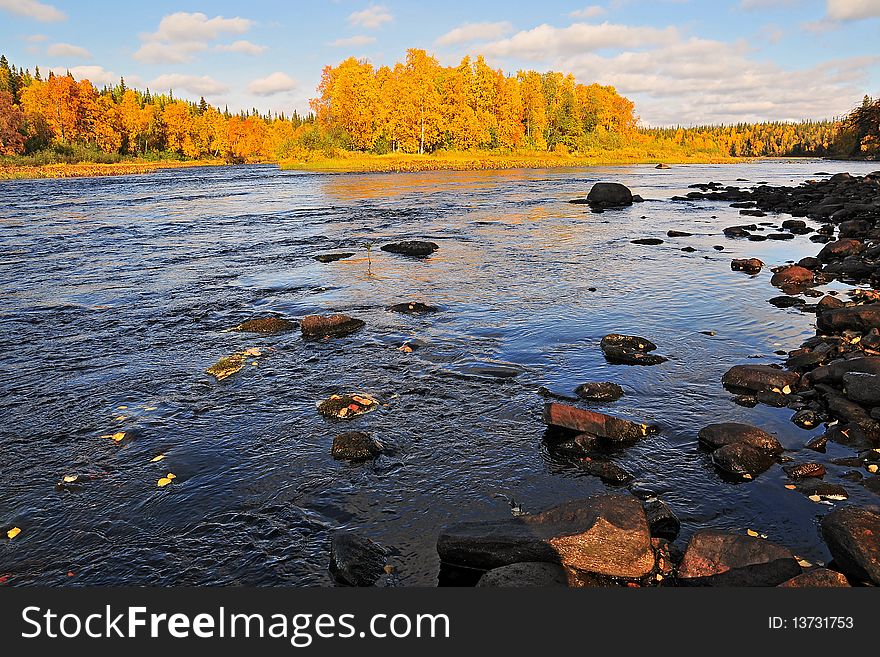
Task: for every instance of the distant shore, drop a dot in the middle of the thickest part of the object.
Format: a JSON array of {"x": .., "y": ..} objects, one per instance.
[{"x": 95, "y": 169}]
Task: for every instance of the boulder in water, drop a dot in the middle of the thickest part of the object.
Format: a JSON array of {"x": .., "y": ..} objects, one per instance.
[{"x": 610, "y": 195}]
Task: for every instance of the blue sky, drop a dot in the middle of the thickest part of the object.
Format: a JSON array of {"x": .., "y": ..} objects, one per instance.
[{"x": 681, "y": 61}]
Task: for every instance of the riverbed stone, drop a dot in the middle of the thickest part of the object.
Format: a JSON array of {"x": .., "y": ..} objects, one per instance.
[
  {"x": 817, "y": 578},
  {"x": 327, "y": 258},
  {"x": 760, "y": 378},
  {"x": 411, "y": 248},
  {"x": 321, "y": 326},
  {"x": 413, "y": 308},
  {"x": 748, "y": 265},
  {"x": 598, "y": 424},
  {"x": 804, "y": 470},
  {"x": 840, "y": 249},
  {"x": 599, "y": 391},
  {"x": 718, "y": 435},
  {"x": 662, "y": 522},
  {"x": 858, "y": 318},
  {"x": 792, "y": 275},
  {"x": 266, "y": 325},
  {"x": 355, "y": 446},
  {"x": 742, "y": 460},
  {"x": 356, "y": 560},
  {"x": 530, "y": 574},
  {"x": 630, "y": 350},
  {"x": 605, "y": 536},
  {"x": 609, "y": 195},
  {"x": 715, "y": 558},
  {"x": 853, "y": 537}
]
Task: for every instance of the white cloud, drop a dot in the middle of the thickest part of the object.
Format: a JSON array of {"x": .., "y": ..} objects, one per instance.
[
  {"x": 547, "y": 41},
  {"x": 588, "y": 12},
  {"x": 470, "y": 32},
  {"x": 32, "y": 9},
  {"x": 68, "y": 50},
  {"x": 372, "y": 17},
  {"x": 360, "y": 40},
  {"x": 36, "y": 38},
  {"x": 181, "y": 35},
  {"x": 275, "y": 83},
  {"x": 97, "y": 75},
  {"x": 852, "y": 10},
  {"x": 767, "y": 4},
  {"x": 243, "y": 47},
  {"x": 201, "y": 85}
]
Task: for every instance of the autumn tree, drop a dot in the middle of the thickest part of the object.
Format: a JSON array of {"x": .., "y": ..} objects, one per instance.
[{"x": 12, "y": 137}]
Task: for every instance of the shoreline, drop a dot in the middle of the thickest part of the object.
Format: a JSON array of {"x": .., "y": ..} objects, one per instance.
[{"x": 10, "y": 172}]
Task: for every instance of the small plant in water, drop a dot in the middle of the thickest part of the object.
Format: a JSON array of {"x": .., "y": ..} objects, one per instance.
[{"x": 369, "y": 247}]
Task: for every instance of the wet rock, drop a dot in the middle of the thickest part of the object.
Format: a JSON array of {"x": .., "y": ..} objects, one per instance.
[
  {"x": 816, "y": 488},
  {"x": 862, "y": 388},
  {"x": 355, "y": 446},
  {"x": 608, "y": 471},
  {"x": 678, "y": 233},
  {"x": 786, "y": 302},
  {"x": 792, "y": 275},
  {"x": 840, "y": 249},
  {"x": 689, "y": 249},
  {"x": 662, "y": 166},
  {"x": 780, "y": 236},
  {"x": 818, "y": 443},
  {"x": 854, "y": 228},
  {"x": 266, "y": 325},
  {"x": 718, "y": 435},
  {"x": 739, "y": 231},
  {"x": 760, "y": 378},
  {"x": 346, "y": 407},
  {"x": 794, "y": 224},
  {"x": 804, "y": 470},
  {"x": 829, "y": 303},
  {"x": 412, "y": 248},
  {"x": 872, "y": 484},
  {"x": 749, "y": 265},
  {"x": 324, "y": 326},
  {"x": 597, "y": 424},
  {"x": 810, "y": 263},
  {"x": 599, "y": 392},
  {"x": 356, "y": 560},
  {"x": 630, "y": 350},
  {"x": 715, "y": 558},
  {"x": 718, "y": 247},
  {"x": 858, "y": 318},
  {"x": 817, "y": 578},
  {"x": 412, "y": 308},
  {"x": 605, "y": 536},
  {"x": 741, "y": 460},
  {"x": 807, "y": 419},
  {"x": 834, "y": 372},
  {"x": 583, "y": 444},
  {"x": 662, "y": 522},
  {"x": 648, "y": 241},
  {"x": 332, "y": 257},
  {"x": 753, "y": 213},
  {"x": 610, "y": 195},
  {"x": 853, "y": 537},
  {"x": 494, "y": 371},
  {"x": 531, "y": 574}
]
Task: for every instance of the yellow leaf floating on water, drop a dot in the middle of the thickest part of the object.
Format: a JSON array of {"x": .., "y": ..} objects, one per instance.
[
  {"x": 164, "y": 481},
  {"x": 752, "y": 533},
  {"x": 122, "y": 408},
  {"x": 803, "y": 563},
  {"x": 873, "y": 468},
  {"x": 226, "y": 367},
  {"x": 171, "y": 476},
  {"x": 791, "y": 486},
  {"x": 253, "y": 351},
  {"x": 158, "y": 458},
  {"x": 118, "y": 436},
  {"x": 151, "y": 408},
  {"x": 69, "y": 479},
  {"x": 12, "y": 533},
  {"x": 815, "y": 498},
  {"x": 747, "y": 476}
]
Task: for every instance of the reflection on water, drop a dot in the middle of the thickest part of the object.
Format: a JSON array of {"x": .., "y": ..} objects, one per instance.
[{"x": 118, "y": 292}]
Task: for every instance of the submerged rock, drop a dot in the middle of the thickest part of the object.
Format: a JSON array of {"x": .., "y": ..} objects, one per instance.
[
  {"x": 596, "y": 424},
  {"x": 718, "y": 435},
  {"x": 630, "y": 350},
  {"x": 760, "y": 378},
  {"x": 412, "y": 248},
  {"x": 332, "y": 257},
  {"x": 412, "y": 308},
  {"x": 678, "y": 233},
  {"x": 599, "y": 392},
  {"x": 529, "y": 574},
  {"x": 804, "y": 470},
  {"x": 608, "y": 471},
  {"x": 648, "y": 241},
  {"x": 715, "y": 558},
  {"x": 346, "y": 407},
  {"x": 853, "y": 537},
  {"x": 226, "y": 366},
  {"x": 605, "y": 536},
  {"x": 748, "y": 265},
  {"x": 266, "y": 325},
  {"x": 320, "y": 326},
  {"x": 662, "y": 522},
  {"x": 355, "y": 446},
  {"x": 356, "y": 560},
  {"x": 610, "y": 195}
]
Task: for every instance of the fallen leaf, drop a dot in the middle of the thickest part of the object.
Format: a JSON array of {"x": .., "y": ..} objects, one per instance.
[
  {"x": 12, "y": 533},
  {"x": 120, "y": 418},
  {"x": 406, "y": 349},
  {"x": 803, "y": 563},
  {"x": 171, "y": 476},
  {"x": 253, "y": 351},
  {"x": 70, "y": 573},
  {"x": 69, "y": 479},
  {"x": 226, "y": 367},
  {"x": 747, "y": 476},
  {"x": 115, "y": 436},
  {"x": 873, "y": 468},
  {"x": 786, "y": 390},
  {"x": 156, "y": 459},
  {"x": 791, "y": 486},
  {"x": 122, "y": 408},
  {"x": 752, "y": 533},
  {"x": 815, "y": 498},
  {"x": 151, "y": 408},
  {"x": 164, "y": 481},
  {"x": 389, "y": 570}
]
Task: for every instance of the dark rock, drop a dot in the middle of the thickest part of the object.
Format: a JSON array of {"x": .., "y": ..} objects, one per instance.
[
  {"x": 630, "y": 350},
  {"x": 834, "y": 372},
  {"x": 738, "y": 231},
  {"x": 853, "y": 537},
  {"x": 862, "y": 388},
  {"x": 718, "y": 435},
  {"x": 804, "y": 470},
  {"x": 716, "y": 558},
  {"x": 872, "y": 484},
  {"x": 817, "y": 578},
  {"x": 829, "y": 303},
  {"x": 648, "y": 241},
  {"x": 818, "y": 443},
  {"x": 597, "y": 424},
  {"x": 662, "y": 521},
  {"x": 600, "y": 392},
  {"x": 750, "y": 265},
  {"x": 355, "y": 446},
  {"x": 814, "y": 487},
  {"x": 608, "y": 471},
  {"x": 840, "y": 249},
  {"x": 332, "y": 257},
  {"x": 792, "y": 275},
  {"x": 610, "y": 195},
  {"x": 718, "y": 247},
  {"x": 320, "y": 326},
  {"x": 780, "y": 236},
  {"x": 531, "y": 574},
  {"x": 583, "y": 444},
  {"x": 678, "y": 233},
  {"x": 807, "y": 418},
  {"x": 794, "y": 224},
  {"x": 786, "y": 302},
  {"x": 760, "y": 378},
  {"x": 810, "y": 263},
  {"x": 355, "y": 560},
  {"x": 689, "y": 249},
  {"x": 413, "y": 248},
  {"x": 858, "y": 318},
  {"x": 753, "y": 213},
  {"x": 412, "y": 308},
  {"x": 854, "y": 228},
  {"x": 605, "y": 536},
  {"x": 742, "y": 460},
  {"x": 662, "y": 166},
  {"x": 266, "y": 325}
]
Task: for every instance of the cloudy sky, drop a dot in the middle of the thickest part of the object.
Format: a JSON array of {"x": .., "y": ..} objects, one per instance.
[{"x": 682, "y": 61}]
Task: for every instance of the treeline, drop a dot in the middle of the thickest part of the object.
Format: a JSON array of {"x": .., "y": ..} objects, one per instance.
[
  {"x": 860, "y": 131},
  {"x": 419, "y": 106},
  {"x": 61, "y": 113}
]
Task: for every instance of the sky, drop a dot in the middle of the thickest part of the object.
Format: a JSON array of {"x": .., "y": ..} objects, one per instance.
[{"x": 683, "y": 62}]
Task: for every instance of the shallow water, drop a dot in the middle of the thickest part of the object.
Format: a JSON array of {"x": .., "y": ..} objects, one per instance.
[{"x": 117, "y": 293}]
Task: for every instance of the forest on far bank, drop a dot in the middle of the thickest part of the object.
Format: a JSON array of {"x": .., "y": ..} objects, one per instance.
[{"x": 415, "y": 107}]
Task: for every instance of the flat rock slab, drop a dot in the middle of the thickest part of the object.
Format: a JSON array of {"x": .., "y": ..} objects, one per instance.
[
  {"x": 531, "y": 574},
  {"x": 629, "y": 350},
  {"x": 356, "y": 560},
  {"x": 858, "y": 318},
  {"x": 715, "y": 558},
  {"x": 605, "y": 535},
  {"x": 412, "y": 248},
  {"x": 718, "y": 435},
  {"x": 266, "y": 325},
  {"x": 760, "y": 378},
  {"x": 853, "y": 537},
  {"x": 346, "y": 407},
  {"x": 816, "y": 578},
  {"x": 332, "y": 257},
  {"x": 596, "y": 424},
  {"x": 327, "y": 326}
]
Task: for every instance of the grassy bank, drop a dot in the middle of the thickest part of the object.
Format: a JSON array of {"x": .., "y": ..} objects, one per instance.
[
  {"x": 366, "y": 163},
  {"x": 16, "y": 171}
]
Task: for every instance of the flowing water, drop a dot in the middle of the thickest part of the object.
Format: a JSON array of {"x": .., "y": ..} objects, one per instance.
[{"x": 118, "y": 293}]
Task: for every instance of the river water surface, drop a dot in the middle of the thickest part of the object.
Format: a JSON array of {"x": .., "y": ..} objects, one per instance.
[{"x": 117, "y": 293}]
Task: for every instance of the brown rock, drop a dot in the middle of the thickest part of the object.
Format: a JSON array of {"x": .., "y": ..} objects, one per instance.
[
  {"x": 792, "y": 275},
  {"x": 266, "y": 325},
  {"x": 804, "y": 470},
  {"x": 742, "y": 460},
  {"x": 728, "y": 433},
  {"x": 858, "y": 318},
  {"x": 817, "y": 578},
  {"x": 750, "y": 265},
  {"x": 716, "y": 558},
  {"x": 320, "y": 326},
  {"x": 853, "y": 537},
  {"x": 840, "y": 249},
  {"x": 597, "y": 424},
  {"x": 760, "y": 378}
]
